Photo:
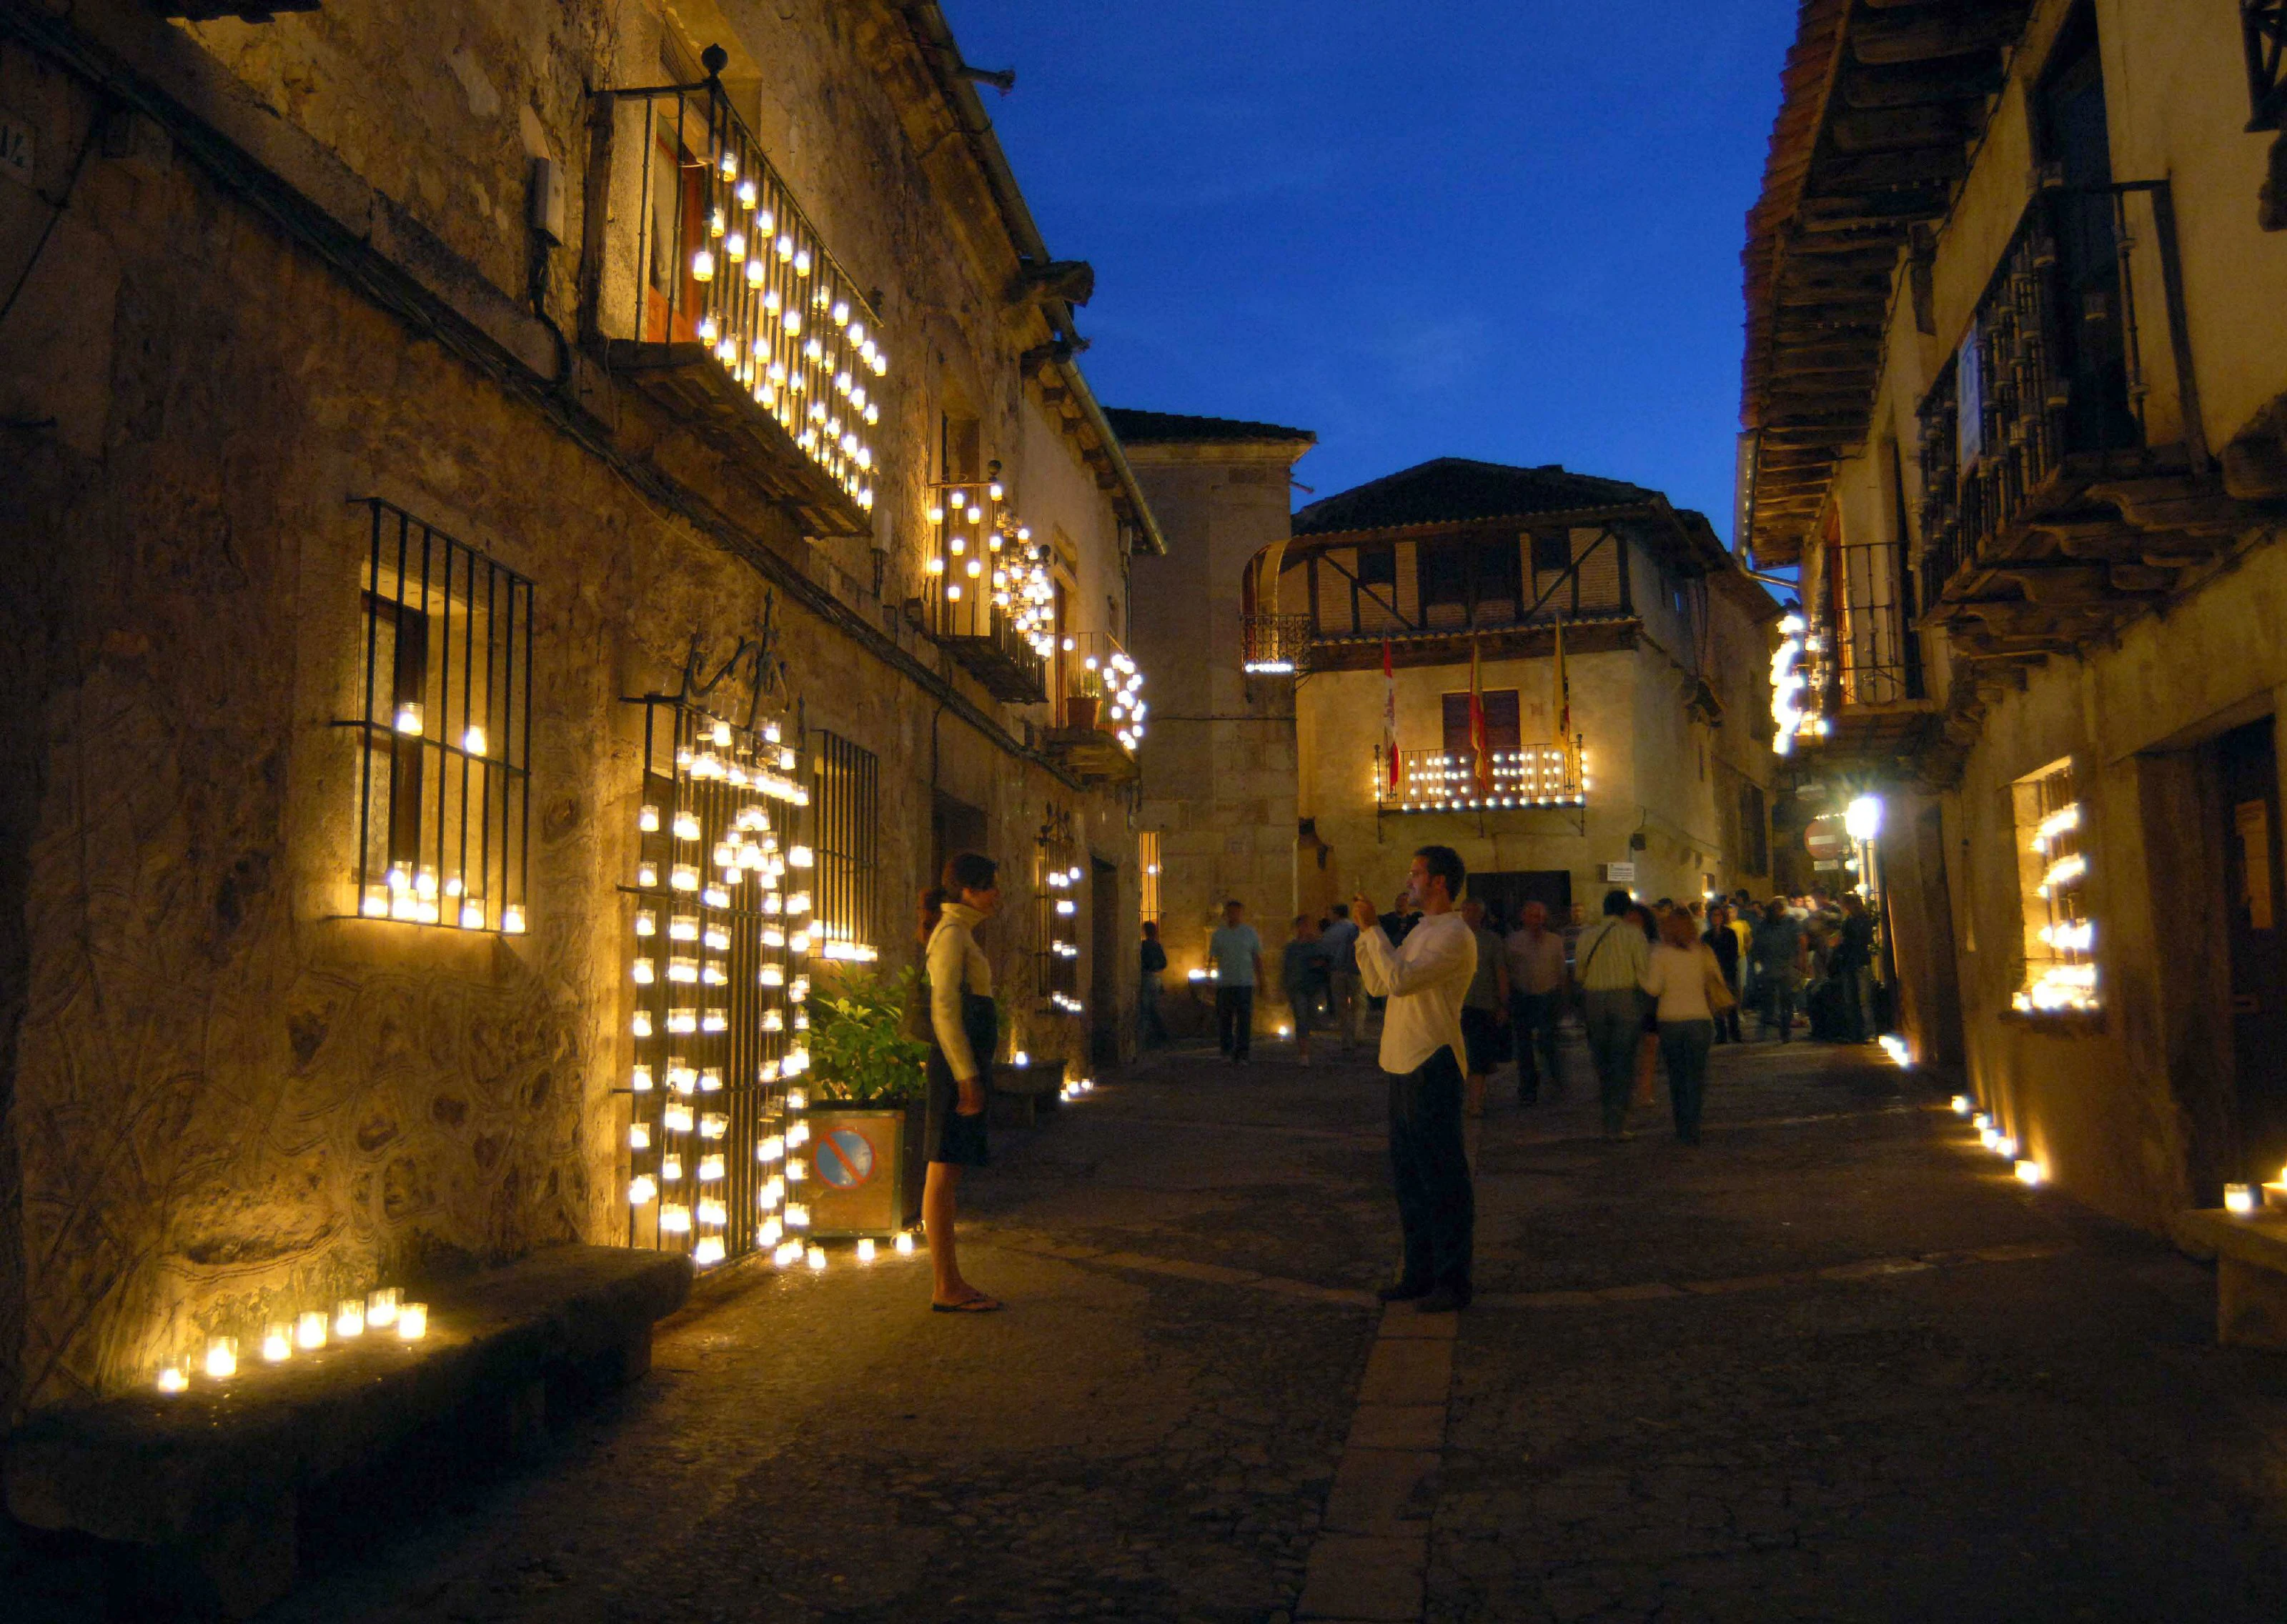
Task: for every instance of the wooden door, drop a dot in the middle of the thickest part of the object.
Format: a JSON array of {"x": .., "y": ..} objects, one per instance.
[{"x": 2248, "y": 761}]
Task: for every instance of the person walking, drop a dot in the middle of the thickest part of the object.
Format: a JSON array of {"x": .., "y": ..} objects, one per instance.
[
  {"x": 1648, "y": 1041},
  {"x": 1676, "y": 976},
  {"x": 1302, "y": 971},
  {"x": 964, "y": 1032},
  {"x": 1778, "y": 954},
  {"x": 1152, "y": 962},
  {"x": 1484, "y": 1008},
  {"x": 1724, "y": 943},
  {"x": 1611, "y": 961},
  {"x": 1534, "y": 955},
  {"x": 1852, "y": 963},
  {"x": 1237, "y": 955},
  {"x": 1425, "y": 980},
  {"x": 1343, "y": 1005}
]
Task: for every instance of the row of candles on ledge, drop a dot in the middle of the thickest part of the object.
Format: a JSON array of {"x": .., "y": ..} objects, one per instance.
[
  {"x": 2247, "y": 1200},
  {"x": 1996, "y": 1139},
  {"x": 382, "y": 1309},
  {"x": 787, "y": 1254}
]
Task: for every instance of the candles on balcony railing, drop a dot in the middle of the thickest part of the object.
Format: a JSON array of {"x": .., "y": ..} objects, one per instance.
[
  {"x": 1101, "y": 670},
  {"x": 1537, "y": 776},
  {"x": 990, "y": 578},
  {"x": 728, "y": 260}
]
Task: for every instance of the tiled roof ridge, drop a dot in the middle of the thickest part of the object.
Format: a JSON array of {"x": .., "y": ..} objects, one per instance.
[{"x": 1140, "y": 426}]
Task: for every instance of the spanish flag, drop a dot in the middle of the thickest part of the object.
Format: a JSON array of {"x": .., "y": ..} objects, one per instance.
[{"x": 1389, "y": 720}]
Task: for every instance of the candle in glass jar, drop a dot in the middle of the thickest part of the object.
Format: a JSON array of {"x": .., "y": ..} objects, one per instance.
[
  {"x": 310, "y": 1329},
  {"x": 412, "y": 1321},
  {"x": 2239, "y": 1199},
  {"x": 222, "y": 1357},
  {"x": 381, "y": 1306},
  {"x": 278, "y": 1341},
  {"x": 349, "y": 1318}
]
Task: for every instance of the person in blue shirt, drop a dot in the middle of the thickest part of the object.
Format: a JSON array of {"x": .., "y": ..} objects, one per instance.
[
  {"x": 1237, "y": 953},
  {"x": 1304, "y": 974}
]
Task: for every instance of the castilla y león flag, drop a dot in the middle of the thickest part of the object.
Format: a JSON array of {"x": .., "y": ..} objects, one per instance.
[{"x": 1389, "y": 717}]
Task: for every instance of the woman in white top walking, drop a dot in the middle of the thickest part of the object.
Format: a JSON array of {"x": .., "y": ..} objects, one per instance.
[{"x": 1678, "y": 976}]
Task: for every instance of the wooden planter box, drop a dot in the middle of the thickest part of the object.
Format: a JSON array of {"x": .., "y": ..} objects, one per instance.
[{"x": 866, "y": 1169}]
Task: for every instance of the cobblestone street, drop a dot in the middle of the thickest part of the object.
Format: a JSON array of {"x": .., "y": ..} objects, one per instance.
[{"x": 1835, "y": 1364}]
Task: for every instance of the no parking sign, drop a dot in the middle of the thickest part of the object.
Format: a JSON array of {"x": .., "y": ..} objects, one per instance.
[{"x": 855, "y": 1156}]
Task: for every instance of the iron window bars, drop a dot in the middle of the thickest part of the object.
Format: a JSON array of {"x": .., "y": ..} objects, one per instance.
[
  {"x": 1147, "y": 867},
  {"x": 990, "y": 597},
  {"x": 725, "y": 258},
  {"x": 845, "y": 807},
  {"x": 722, "y": 941},
  {"x": 444, "y": 731},
  {"x": 1056, "y": 875}
]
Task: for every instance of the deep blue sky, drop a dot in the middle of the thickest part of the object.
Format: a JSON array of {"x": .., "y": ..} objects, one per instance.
[{"x": 1505, "y": 229}]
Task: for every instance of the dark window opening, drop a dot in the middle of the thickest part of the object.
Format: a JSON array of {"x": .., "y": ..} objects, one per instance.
[
  {"x": 1377, "y": 566},
  {"x": 1552, "y": 552},
  {"x": 1502, "y": 729},
  {"x": 1499, "y": 573},
  {"x": 1443, "y": 568}
]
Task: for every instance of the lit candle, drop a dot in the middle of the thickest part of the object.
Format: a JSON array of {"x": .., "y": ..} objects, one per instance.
[
  {"x": 222, "y": 1357},
  {"x": 278, "y": 1341},
  {"x": 2275, "y": 1193},
  {"x": 816, "y": 1259},
  {"x": 2239, "y": 1199},
  {"x": 349, "y": 1318},
  {"x": 310, "y": 1329},
  {"x": 173, "y": 1379},
  {"x": 1961, "y": 1105},
  {"x": 512, "y": 918},
  {"x": 381, "y": 1305},
  {"x": 408, "y": 719},
  {"x": 412, "y": 1321},
  {"x": 904, "y": 1243},
  {"x": 2031, "y": 1172},
  {"x": 865, "y": 1248}
]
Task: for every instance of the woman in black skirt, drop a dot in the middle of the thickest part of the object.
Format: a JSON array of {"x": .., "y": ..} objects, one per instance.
[{"x": 964, "y": 1032}]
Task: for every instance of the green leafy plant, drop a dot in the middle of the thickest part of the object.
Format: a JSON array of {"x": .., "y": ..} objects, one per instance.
[
  {"x": 1088, "y": 684},
  {"x": 858, "y": 1053}
]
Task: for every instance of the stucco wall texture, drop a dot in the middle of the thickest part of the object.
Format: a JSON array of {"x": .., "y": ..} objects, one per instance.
[{"x": 225, "y": 1096}]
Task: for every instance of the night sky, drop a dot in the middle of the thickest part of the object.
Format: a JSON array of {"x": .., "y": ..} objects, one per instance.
[{"x": 1414, "y": 229}]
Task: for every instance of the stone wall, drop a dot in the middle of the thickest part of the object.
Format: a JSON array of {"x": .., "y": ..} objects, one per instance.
[{"x": 224, "y": 1094}]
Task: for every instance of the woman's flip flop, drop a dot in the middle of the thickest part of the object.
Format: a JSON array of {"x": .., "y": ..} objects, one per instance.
[{"x": 980, "y": 1305}]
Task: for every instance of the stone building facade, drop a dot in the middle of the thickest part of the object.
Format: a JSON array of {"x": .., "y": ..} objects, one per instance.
[
  {"x": 2014, "y": 402},
  {"x": 1666, "y": 662},
  {"x": 291, "y": 273},
  {"x": 1219, "y": 764}
]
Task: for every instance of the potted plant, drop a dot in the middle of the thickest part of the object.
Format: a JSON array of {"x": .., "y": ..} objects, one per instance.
[
  {"x": 868, "y": 1093},
  {"x": 1087, "y": 696}
]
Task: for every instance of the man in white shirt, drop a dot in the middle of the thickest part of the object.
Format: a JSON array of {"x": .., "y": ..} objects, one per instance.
[{"x": 1425, "y": 979}]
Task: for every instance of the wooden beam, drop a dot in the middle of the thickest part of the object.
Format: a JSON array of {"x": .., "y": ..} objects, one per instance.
[
  {"x": 1883, "y": 40},
  {"x": 1919, "y": 166},
  {"x": 1971, "y": 80},
  {"x": 1885, "y": 129}
]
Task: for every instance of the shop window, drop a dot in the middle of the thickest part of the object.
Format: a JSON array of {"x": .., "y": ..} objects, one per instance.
[
  {"x": 2053, "y": 886},
  {"x": 845, "y": 811},
  {"x": 444, "y": 734}
]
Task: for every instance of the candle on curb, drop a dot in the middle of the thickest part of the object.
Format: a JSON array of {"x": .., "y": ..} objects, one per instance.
[
  {"x": 381, "y": 1306},
  {"x": 412, "y": 1321},
  {"x": 904, "y": 1243},
  {"x": 2239, "y": 1199},
  {"x": 278, "y": 1341},
  {"x": 2275, "y": 1193},
  {"x": 865, "y": 1248},
  {"x": 173, "y": 1377},
  {"x": 2031, "y": 1172},
  {"x": 1961, "y": 1105},
  {"x": 349, "y": 1318},
  {"x": 817, "y": 1258},
  {"x": 310, "y": 1329},
  {"x": 222, "y": 1357}
]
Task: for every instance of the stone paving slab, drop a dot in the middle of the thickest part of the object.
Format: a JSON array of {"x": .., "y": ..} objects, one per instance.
[
  {"x": 1382, "y": 1492},
  {"x": 1364, "y": 1577},
  {"x": 1399, "y": 1426}
]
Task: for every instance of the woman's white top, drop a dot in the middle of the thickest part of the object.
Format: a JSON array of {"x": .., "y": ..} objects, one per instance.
[
  {"x": 956, "y": 963},
  {"x": 1678, "y": 978}
]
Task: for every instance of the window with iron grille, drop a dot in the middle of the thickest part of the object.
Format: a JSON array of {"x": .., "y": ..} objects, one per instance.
[
  {"x": 444, "y": 739},
  {"x": 1055, "y": 891},
  {"x": 846, "y": 810}
]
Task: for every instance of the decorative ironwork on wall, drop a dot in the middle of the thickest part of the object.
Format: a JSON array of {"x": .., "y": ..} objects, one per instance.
[
  {"x": 723, "y": 936},
  {"x": 1057, "y": 874},
  {"x": 845, "y": 805},
  {"x": 444, "y": 739},
  {"x": 991, "y": 600}
]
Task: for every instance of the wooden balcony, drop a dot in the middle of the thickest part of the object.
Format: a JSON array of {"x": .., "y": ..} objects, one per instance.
[{"x": 2050, "y": 515}]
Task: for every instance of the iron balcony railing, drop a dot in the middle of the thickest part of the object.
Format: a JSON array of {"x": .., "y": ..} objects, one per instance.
[
  {"x": 1102, "y": 688},
  {"x": 1536, "y": 776},
  {"x": 704, "y": 276},
  {"x": 1276, "y": 645},
  {"x": 2052, "y": 372},
  {"x": 990, "y": 598}
]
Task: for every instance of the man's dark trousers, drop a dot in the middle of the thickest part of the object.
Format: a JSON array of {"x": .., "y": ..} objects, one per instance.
[
  {"x": 1235, "y": 1020},
  {"x": 1436, "y": 1206}
]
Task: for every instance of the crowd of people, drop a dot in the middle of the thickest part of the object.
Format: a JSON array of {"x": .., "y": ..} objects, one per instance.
[{"x": 1651, "y": 984}]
